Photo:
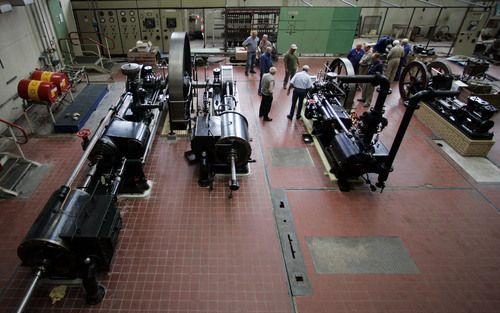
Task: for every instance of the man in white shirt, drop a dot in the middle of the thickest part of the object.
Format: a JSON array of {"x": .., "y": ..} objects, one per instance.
[{"x": 301, "y": 83}]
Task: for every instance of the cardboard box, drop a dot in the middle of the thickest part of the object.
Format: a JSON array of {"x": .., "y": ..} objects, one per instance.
[{"x": 240, "y": 54}]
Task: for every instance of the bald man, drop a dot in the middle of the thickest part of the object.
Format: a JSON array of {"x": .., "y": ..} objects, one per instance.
[{"x": 267, "y": 88}]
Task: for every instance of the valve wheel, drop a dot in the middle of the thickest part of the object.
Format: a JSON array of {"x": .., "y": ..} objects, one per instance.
[
  {"x": 414, "y": 78},
  {"x": 83, "y": 133}
]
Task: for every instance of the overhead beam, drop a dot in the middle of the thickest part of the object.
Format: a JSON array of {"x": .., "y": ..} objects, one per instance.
[
  {"x": 307, "y": 3},
  {"x": 390, "y": 3},
  {"x": 431, "y": 3},
  {"x": 473, "y": 3},
  {"x": 348, "y": 3}
]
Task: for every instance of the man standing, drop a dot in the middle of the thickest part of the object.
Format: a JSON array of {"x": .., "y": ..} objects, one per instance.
[
  {"x": 366, "y": 61},
  {"x": 355, "y": 56},
  {"x": 301, "y": 83},
  {"x": 251, "y": 44},
  {"x": 382, "y": 44},
  {"x": 376, "y": 67},
  {"x": 404, "y": 60},
  {"x": 291, "y": 62},
  {"x": 393, "y": 59},
  {"x": 265, "y": 65},
  {"x": 264, "y": 43},
  {"x": 267, "y": 94}
]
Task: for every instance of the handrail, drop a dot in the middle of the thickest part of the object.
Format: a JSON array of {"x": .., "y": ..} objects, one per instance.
[
  {"x": 18, "y": 127},
  {"x": 71, "y": 38}
]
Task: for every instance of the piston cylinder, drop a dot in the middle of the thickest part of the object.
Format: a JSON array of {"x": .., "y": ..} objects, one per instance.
[
  {"x": 37, "y": 90},
  {"x": 59, "y": 79}
]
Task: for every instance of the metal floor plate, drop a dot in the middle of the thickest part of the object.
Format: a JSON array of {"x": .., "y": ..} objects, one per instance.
[
  {"x": 291, "y": 157},
  {"x": 360, "y": 255},
  {"x": 294, "y": 259}
]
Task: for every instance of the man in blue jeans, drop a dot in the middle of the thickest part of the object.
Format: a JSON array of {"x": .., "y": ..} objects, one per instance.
[
  {"x": 251, "y": 44},
  {"x": 301, "y": 83}
]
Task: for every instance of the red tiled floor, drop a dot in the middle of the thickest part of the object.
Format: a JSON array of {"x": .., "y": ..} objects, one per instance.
[{"x": 187, "y": 250}]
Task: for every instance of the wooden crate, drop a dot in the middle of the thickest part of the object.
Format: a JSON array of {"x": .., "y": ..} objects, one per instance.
[
  {"x": 453, "y": 136},
  {"x": 147, "y": 58}
]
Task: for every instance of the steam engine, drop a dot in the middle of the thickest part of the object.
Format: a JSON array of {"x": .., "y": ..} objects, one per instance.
[
  {"x": 76, "y": 234},
  {"x": 472, "y": 118},
  {"x": 351, "y": 144},
  {"x": 220, "y": 140}
]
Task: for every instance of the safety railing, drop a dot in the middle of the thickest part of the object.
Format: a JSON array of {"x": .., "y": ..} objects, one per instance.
[
  {"x": 75, "y": 39},
  {"x": 24, "y": 136}
]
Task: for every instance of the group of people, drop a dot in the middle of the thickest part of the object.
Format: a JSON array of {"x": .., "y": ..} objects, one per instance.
[
  {"x": 366, "y": 62},
  {"x": 300, "y": 82},
  {"x": 364, "y": 59}
]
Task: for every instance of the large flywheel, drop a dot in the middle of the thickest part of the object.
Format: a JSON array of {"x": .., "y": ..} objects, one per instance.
[
  {"x": 414, "y": 78},
  {"x": 179, "y": 80},
  {"x": 342, "y": 66}
]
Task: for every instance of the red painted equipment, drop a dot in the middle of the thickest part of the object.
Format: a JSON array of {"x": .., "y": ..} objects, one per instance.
[
  {"x": 59, "y": 79},
  {"x": 37, "y": 90}
]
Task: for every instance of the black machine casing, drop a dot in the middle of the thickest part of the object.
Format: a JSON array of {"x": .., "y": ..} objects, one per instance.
[{"x": 54, "y": 234}]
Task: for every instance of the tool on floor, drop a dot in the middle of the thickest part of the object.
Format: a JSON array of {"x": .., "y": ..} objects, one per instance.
[{"x": 76, "y": 234}]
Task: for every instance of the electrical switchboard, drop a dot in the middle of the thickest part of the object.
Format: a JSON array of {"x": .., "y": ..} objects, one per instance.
[
  {"x": 151, "y": 26},
  {"x": 110, "y": 31},
  {"x": 87, "y": 28},
  {"x": 469, "y": 33},
  {"x": 171, "y": 21},
  {"x": 130, "y": 29}
]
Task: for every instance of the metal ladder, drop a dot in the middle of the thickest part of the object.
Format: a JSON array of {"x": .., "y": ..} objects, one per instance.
[{"x": 13, "y": 168}]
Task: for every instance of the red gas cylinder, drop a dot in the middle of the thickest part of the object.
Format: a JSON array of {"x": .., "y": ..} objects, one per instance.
[
  {"x": 37, "y": 90},
  {"x": 59, "y": 79}
]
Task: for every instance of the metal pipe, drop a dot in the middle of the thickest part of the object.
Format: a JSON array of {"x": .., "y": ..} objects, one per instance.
[
  {"x": 43, "y": 39},
  {"x": 28, "y": 294},
  {"x": 15, "y": 141},
  {"x": 423, "y": 95},
  {"x": 337, "y": 116},
  {"x": 99, "y": 131},
  {"x": 435, "y": 24}
]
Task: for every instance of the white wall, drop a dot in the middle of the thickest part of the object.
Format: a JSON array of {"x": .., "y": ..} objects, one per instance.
[
  {"x": 70, "y": 21},
  {"x": 20, "y": 48}
]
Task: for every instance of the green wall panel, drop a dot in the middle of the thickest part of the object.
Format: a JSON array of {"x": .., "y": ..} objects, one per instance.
[
  {"x": 317, "y": 30},
  {"x": 57, "y": 16}
]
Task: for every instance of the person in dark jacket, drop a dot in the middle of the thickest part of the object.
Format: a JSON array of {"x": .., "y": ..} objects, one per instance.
[
  {"x": 382, "y": 44},
  {"x": 266, "y": 63},
  {"x": 376, "y": 67},
  {"x": 355, "y": 56}
]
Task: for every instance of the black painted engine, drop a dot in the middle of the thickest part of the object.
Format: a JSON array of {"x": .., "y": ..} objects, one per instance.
[
  {"x": 472, "y": 118},
  {"x": 351, "y": 144},
  {"x": 220, "y": 142},
  {"x": 76, "y": 234}
]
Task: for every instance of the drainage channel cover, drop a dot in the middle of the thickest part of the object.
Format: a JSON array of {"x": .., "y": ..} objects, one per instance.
[
  {"x": 360, "y": 255},
  {"x": 292, "y": 254}
]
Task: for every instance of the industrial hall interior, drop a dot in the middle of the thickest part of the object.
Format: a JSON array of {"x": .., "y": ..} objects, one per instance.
[{"x": 249, "y": 156}]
